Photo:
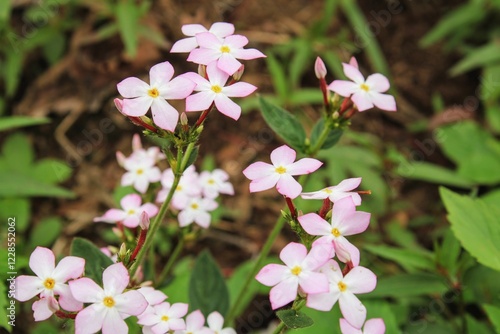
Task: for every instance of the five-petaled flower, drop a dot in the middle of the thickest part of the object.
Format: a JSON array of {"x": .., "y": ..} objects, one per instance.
[
  {"x": 164, "y": 318},
  {"x": 364, "y": 93},
  {"x": 219, "y": 29},
  {"x": 335, "y": 193},
  {"x": 265, "y": 176},
  {"x": 130, "y": 215},
  {"x": 140, "y": 96},
  {"x": 215, "y": 323}
]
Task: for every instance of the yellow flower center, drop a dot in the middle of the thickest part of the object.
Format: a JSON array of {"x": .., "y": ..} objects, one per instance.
[
  {"x": 336, "y": 232},
  {"x": 194, "y": 206},
  {"x": 108, "y": 301},
  {"x": 216, "y": 89},
  {"x": 342, "y": 286},
  {"x": 211, "y": 181},
  {"x": 365, "y": 87},
  {"x": 280, "y": 170},
  {"x": 225, "y": 49},
  {"x": 49, "y": 283},
  {"x": 153, "y": 92},
  {"x": 328, "y": 191},
  {"x": 140, "y": 171},
  {"x": 296, "y": 270},
  {"x": 179, "y": 188},
  {"x": 164, "y": 318},
  {"x": 131, "y": 212}
]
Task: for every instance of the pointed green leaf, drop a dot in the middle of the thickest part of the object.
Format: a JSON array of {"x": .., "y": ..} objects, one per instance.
[
  {"x": 20, "y": 208},
  {"x": 19, "y": 185},
  {"x": 493, "y": 313},
  {"x": 406, "y": 285},
  {"x": 128, "y": 19},
  {"x": 475, "y": 224},
  {"x": 409, "y": 259},
  {"x": 479, "y": 57},
  {"x": 95, "y": 260},
  {"x": 284, "y": 124},
  {"x": 12, "y": 122},
  {"x": 207, "y": 288},
  {"x": 51, "y": 171},
  {"x": 278, "y": 76},
  {"x": 18, "y": 152},
  {"x": 294, "y": 319}
]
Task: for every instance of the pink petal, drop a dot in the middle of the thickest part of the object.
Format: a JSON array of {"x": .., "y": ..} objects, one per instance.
[
  {"x": 283, "y": 155},
  {"x": 236, "y": 41},
  {"x": 362, "y": 101},
  {"x": 227, "y": 107},
  {"x": 132, "y": 87},
  {"x": 313, "y": 283},
  {"x": 131, "y": 302},
  {"x": 346, "y": 251},
  {"x": 179, "y": 88},
  {"x": 176, "y": 324},
  {"x": 131, "y": 201},
  {"x": 375, "y": 326},
  {"x": 86, "y": 290},
  {"x": 203, "y": 219},
  {"x": 228, "y": 63},
  {"x": 215, "y": 321},
  {"x": 164, "y": 115},
  {"x": 360, "y": 280},
  {"x": 42, "y": 262},
  {"x": 264, "y": 183},
  {"x": 349, "y": 184},
  {"x": 352, "y": 309},
  {"x": 216, "y": 75},
  {"x": 247, "y": 54},
  {"x": 353, "y": 62},
  {"x": 41, "y": 309},
  {"x": 200, "y": 101},
  {"x": 304, "y": 166},
  {"x": 323, "y": 301},
  {"x": 353, "y": 73},
  {"x": 258, "y": 170},
  {"x": 193, "y": 29},
  {"x": 319, "y": 68},
  {"x": 115, "y": 279},
  {"x": 200, "y": 81},
  {"x": 208, "y": 40},
  {"x": 288, "y": 186},
  {"x": 356, "y": 223},
  {"x": 185, "y": 218},
  {"x": 377, "y": 82},
  {"x": 195, "y": 320},
  {"x": 342, "y": 211},
  {"x": 313, "y": 224},
  {"x": 318, "y": 256},
  {"x": 239, "y": 89},
  {"x": 160, "y": 74},
  {"x": 152, "y": 295},
  {"x": 141, "y": 184},
  {"x": 69, "y": 267},
  {"x": 184, "y": 45},
  {"x": 272, "y": 274},
  {"x": 343, "y": 88},
  {"x": 150, "y": 209},
  {"x": 90, "y": 319},
  {"x": 131, "y": 221},
  {"x": 203, "y": 56},
  {"x": 178, "y": 310},
  {"x": 283, "y": 293},
  {"x": 384, "y": 101},
  {"x": 137, "y": 107},
  {"x": 28, "y": 287},
  {"x": 346, "y": 328},
  {"x": 67, "y": 300},
  {"x": 293, "y": 254},
  {"x": 222, "y": 29},
  {"x": 113, "y": 323}
]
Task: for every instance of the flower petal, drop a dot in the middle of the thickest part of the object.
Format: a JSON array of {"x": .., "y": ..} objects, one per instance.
[
  {"x": 353, "y": 73},
  {"x": 136, "y": 107},
  {"x": 384, "y": 101},
  {"x": 247, "y": 54},
  {"x": 200, "y": 101},
  {"x": 352, "y": 309},
  {"x": 377, "y": 82},
  {"x": 222, "y": 29},
  {"x": 228, "y": 63},
  {"x": 113, "y": 322},
  {"x": 28, "y": 287},
  {"x": 314, "y": 283},
  {"x": 342, "y": 210},
  {"x": 42, "y": 262},
  {"x": 216, "y": 75},
  {"x": 115, "y": 279},
  {"x": 318, "y": 256},
  {"x": 164, "y": 115},
  {"x": 131, "y": 302},
  {"x": 258, "y": 170},
  {"x": 160, "y": 74},
  {"x": 89, "y": 320},
  {"x": 272, "y": 274},
  {"x": 195, "y": 320},
  {"x": 41, "y": 309},
  {"x": 227, "y": 107},
  {"x": 293, "y": 254},
  {"x": 356, "y": 223},
  {"x": 131, "y": 201},
  {"x": 239, "y": 89},
  {"x": 283, "y": 155},
  {"x": 323, "y": 301},
  {"x": 208, "y": 40},
  {"x": 203, "y": 56},
  {"x": 288, "y": 186},
  {"x": 184, "y": 45},
  {"x": 236, "y": 41},
  {"x": 193, "y": 29},
  {"x": 343, "y": 88},
  {"x": 313, "y": 224},
  {"x": 362, "y": 101},
  {"x": 86, "y": 290},
  {"x": 264, "y": 183},
  {"x": 178, "y": 310},
  {"x": 346, "y": 328},
  {"x": 215, "y": 321},
  {"x": 360, "y": 280},
  {"x": 349, "y": 184},
  {"x": 66, "y": 298},
  {"x": 132, "y": 87},
  {"x": 178, "y": 88},
  {"x": 69, "y": 267},
  {"x": 284, "y": 292},
  {"x": 375, "y": 326},
  {"x": 304, "y": 166}
]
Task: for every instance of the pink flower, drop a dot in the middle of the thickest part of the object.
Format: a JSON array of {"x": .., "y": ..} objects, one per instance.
[
  {"x": 343, "y": 289},
  {"x": 214, "y": 90},
  {"x": 319, "y": 68},
  {"x": 299, "y": 271},
  {"x": 140, "y": 96},
  {"x": 195, "y": 322},
  {"x": 372, "y": 326},
  {"x": 165, "y": 318},
  {"x": 334, "y": 193},
  {"x": 197, "y": 211},
  {"x": 49, "y": 282},
  {"x": 138, "y": 152},
  {"x": 109, "y": 305},
  {"x": 131, "y": 213},
  {"x": 215, "y": 322},
  {"x": 215, "y": 182},
  {"x": 187, "y": 188},
  {"x": 225, "y": 51},
  {"x": 265, "y": 176},
  {"x": 219, "y": 29},
  {"x": 365, "y": 93},
  {"x": 153, "y": 297},
  {"x": 345, "y": 221},
  {"x": 140, "y": 173}
]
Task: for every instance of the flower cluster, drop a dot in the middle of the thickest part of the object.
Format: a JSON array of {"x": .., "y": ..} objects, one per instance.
[{"x": 314, "y": 274}]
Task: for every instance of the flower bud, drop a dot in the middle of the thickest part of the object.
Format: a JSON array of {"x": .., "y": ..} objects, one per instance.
[
  {"x": 144, "y": 224},
  {"x": 52, "y": 304},
  {"x": 184, "y": 119},
  {"x": 119, "y": 105},
  {"x": 319, "y": 68},
  {"x": 237, "y": 75},
  {"x": 123, "y": 251}
]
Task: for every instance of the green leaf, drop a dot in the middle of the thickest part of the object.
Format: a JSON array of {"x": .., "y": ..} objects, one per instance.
[
  {"x": 429, "y": 172},
  {"x": 177, "y": 289},
  {"x": 18, "y": 185},
  {"x": 95, "y": 260},
  {"x": 449, "y": 252},
  {"x": 300, "y": 60},
  {"x": 284, "y": 124},
  {"x": 493, "y": 117},
  {"x": 18, "y": 152},
  {"x": 411, "y": 260},
  {"x": 128, "y": 22},
  {"x": 408, "y": 285},
  {"x": 493, "y": 313},
  {"x": 51, "y": 171},
  {"x": 280, "y": 81},
  {"x": 207, "y": 288},
  {"x": 12, "y": 122},
  {"x": 478, "y": 57},
  {"x": 322, "y": 321},
  {"x": 46, "y": 232},
  {"x": 475, "y": 151},
  {"x": 476, "y": 326},
  {"x": 18, "y": 208},
  {"x": 294, "y": 319},
  {"x": 192, "y": 156},
  {"x": 305, "y": 96},
  {"x": 493, "y": 197},
  {"x": 332, "y": 138},
  {"x": 475, "y": 224}
]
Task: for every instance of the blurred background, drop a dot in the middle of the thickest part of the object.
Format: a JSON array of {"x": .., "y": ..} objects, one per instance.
[{"x": 60, "y": 61}]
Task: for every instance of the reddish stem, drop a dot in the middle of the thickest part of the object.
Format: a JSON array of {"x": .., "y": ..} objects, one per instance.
[
  {"x": 64, "y": 315},
  {"x": 324, "y": 90},
  {"x": 203, "y": 115},
  {"x": 327, "y": 205},
  {"x": 140, "y": 122},
  {"x": 347, "y": 268},
  {"x": 140, "y": 243},
  {"x": 291, "y": 207},
  {"x": 346, "y": 104}
]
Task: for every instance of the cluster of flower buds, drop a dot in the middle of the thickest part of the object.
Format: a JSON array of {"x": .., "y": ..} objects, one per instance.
[
  {"x": 216, "y": 51},
  {"x": 313, "y": 274}
]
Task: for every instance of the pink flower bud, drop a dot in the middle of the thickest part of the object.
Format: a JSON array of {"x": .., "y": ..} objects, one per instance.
[
  {"x": 237, "y": 75},
  {"x": 144, "y": 224},
  {"x": 319, "y": 68},
  {"x": 118, "y": 104}
]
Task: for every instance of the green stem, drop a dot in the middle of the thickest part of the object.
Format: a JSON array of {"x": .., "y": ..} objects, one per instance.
[
  {"x": 171, "y": 261},
  {"x": 322, "y": 138}
]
